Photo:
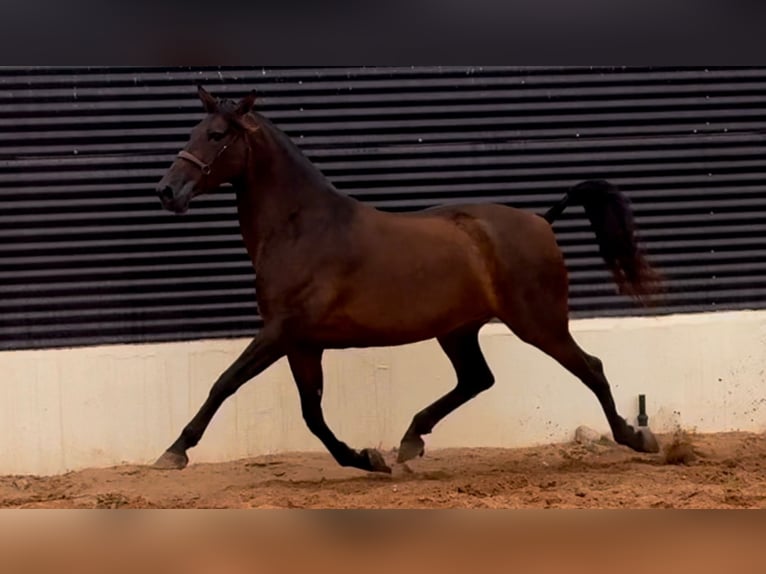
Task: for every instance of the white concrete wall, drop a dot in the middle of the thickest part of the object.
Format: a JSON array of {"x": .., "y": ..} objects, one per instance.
[{"x": 67, "y": 409}]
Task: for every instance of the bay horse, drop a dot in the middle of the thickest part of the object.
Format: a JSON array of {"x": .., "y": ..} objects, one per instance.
[{"x": 332, "y": 272}]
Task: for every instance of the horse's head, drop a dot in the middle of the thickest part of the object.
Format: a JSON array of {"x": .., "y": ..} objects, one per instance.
[{"x": 216, "y": 152}]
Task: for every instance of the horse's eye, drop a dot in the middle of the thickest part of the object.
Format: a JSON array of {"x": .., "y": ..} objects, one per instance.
[{"x": 216, "y": 136}]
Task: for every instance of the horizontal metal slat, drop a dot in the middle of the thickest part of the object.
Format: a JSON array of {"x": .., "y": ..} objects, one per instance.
[
  {"x": 127, "y": 299},
  {"x": 189, "y": 109},
  {"x": 394, "y": 78}
]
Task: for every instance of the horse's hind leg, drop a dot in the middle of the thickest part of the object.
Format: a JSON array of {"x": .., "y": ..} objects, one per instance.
[
  {"x": 545, "y": 327},
  {"x": 590, "y": 371},
  {"x": 473, "y": 377},
  {"x": 306, "y": 366}
]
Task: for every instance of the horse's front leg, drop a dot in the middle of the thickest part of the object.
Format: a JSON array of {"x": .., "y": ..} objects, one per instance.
[
  {"x": 260, "y": 354},
  {"x": 306, "y": 366}
]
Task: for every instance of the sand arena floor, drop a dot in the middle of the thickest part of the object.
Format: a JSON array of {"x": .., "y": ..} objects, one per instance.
[{"x": 699, "y": 471}]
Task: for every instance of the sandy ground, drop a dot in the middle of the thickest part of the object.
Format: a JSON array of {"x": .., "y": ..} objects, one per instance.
[{"x": 699, "y": 471}]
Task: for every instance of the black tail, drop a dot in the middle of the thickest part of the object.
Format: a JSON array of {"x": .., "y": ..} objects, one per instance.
[{"x": 611, "y": 218}]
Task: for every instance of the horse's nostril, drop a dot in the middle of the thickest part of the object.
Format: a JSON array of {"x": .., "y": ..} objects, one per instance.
[{"x": 165, "y": 192}]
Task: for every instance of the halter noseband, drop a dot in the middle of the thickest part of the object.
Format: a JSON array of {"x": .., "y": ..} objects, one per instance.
[{"x": 205, "y": 168}]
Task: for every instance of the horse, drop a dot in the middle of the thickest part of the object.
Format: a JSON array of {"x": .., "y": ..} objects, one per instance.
[{"x": 332, "y": 272}]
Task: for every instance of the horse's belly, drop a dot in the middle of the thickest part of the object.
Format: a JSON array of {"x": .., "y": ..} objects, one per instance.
[{"x": 394, "y": 317}]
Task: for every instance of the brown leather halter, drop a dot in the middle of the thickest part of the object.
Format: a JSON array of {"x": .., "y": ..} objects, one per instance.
[{"x": 205, "y": 168}]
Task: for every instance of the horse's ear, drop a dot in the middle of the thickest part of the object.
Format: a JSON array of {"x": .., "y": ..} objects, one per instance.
[
  {"x": 208, "y": 101},
  {"x": 246, "y": 104}
]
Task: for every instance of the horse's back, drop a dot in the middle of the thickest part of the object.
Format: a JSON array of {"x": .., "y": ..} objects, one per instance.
[
  {"x": 519, "y": 246},
  {"x": 512, "y": 231},
  {"x": 499, "y": 240}
]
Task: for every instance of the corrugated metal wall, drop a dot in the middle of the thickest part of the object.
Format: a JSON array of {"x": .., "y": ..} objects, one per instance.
[{"x": 87, "y": 255}]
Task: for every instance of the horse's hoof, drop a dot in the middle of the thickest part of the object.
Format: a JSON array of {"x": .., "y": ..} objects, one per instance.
[
  {"x": 648, "y": 441},
  {"x": 376, "y": 461},
  {"x": 410, "y": 448},
  {"x": 171, "y": 461}
]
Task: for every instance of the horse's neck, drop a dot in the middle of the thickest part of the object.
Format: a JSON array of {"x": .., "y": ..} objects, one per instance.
[{"x": 282, "y": 190}]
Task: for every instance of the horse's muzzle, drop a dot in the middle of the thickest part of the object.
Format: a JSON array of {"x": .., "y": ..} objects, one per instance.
[
  {"x": 165, "y": 193},
  {"x": 172, "y": 201}
]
